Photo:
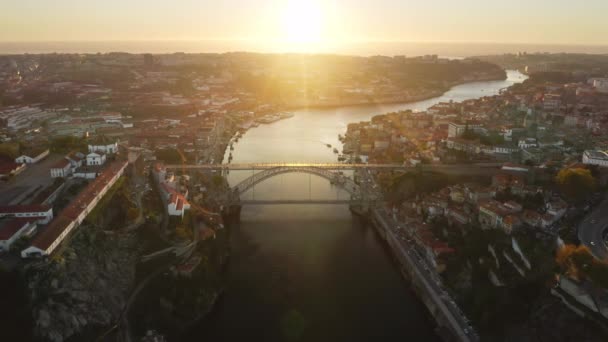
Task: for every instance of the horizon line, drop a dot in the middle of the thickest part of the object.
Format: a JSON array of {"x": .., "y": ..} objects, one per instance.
[{"x": 251, "y": 40}]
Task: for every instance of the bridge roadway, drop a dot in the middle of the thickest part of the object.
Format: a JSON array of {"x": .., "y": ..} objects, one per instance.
[
  {"x": 471, "y": 169},
  {"x": 301, "y": 201},
  {"x": 266, "y": 166}
]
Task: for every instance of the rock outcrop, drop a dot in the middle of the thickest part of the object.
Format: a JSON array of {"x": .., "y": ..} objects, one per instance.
[{"x": 83, "y": 288}]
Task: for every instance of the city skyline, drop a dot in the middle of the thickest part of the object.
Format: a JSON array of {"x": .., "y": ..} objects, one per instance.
[{"x": 308, "y": 25}]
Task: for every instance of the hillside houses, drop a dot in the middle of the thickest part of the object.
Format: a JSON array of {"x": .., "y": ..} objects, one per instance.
[{"x": 174, "y": 196}]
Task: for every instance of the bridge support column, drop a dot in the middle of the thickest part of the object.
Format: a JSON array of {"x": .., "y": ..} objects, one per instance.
[
  {"x": 234, "y": 212},
  {"x": 362, "y": 209}
]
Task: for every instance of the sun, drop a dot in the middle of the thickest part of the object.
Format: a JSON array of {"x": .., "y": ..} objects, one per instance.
[{"x": 302, "y": 21}]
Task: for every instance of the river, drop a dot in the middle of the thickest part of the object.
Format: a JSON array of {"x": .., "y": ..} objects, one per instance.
[{"x": 315, "y": 272}]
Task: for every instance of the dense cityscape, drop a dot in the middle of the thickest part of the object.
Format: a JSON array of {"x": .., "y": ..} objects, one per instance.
[
  {"x": 288, "y": 189},
  {"x": 496, "y": 200}
]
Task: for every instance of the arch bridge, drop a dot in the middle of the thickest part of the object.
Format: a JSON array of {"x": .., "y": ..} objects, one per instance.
[
  {"x": 338, "y": 179},
  {"x": 329, "y": 171}
]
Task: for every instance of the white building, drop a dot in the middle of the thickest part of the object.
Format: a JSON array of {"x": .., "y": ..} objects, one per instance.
[
  {"x": 504, "y": 149},
  {"x": 591, "y": 157},
  {"x": 32, "y": 157},
  {"x": 42, "y": 214},
  {"x": 456, "y": 130},
  {"x": 17, "y": 118},
  {"x": 96, "y": 158},
  {"x": 103, "y": 144},
  {"x": 74, "y": 214},
  {"x": 86, "y": 173},
  {"x": 601, "y": 85},
  {"x": 62, "y": 168},
  {"x": 177, "y": 204},
  {"x": 527, "y": 143},
  {"x": 75, "y": 159},
  {"x": 12, "y": 230}
]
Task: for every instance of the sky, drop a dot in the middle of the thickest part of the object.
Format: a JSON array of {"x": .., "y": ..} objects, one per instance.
[{"x": 312, "y": 22}]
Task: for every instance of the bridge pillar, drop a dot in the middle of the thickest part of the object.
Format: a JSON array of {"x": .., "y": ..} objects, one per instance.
[{"x": 234, "y": 212}]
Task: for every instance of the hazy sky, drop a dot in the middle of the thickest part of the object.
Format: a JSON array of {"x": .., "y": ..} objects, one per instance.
[{"x": 509, "y": 21}]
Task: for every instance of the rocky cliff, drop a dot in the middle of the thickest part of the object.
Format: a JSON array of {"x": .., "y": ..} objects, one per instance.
[{"x": 82, "y": 290}]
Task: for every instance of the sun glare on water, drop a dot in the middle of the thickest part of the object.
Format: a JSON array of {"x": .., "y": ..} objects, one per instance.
[{"x": 303, "y": 22}]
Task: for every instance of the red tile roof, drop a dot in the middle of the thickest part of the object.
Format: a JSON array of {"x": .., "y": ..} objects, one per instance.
[
  {"x": 177, "y": 198},
  {"x": 87, "y": 195},
  {"x": 7, "y": 167},
  {"x": 61, "y": 164},
  {"x": 9, "y": 227},
  {"x": 31, "y": 208},
  {"x": 45, "y": 239},
  {"x": 75, "y": 208}
]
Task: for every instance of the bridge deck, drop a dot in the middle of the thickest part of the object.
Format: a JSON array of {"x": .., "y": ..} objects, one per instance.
[
  {"x": 448, "y": 168},
  {"x": 266, "y": 166},
  {"x": 303, "y": 201}
]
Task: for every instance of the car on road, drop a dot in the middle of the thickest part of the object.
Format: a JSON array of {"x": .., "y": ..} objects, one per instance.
[
  {"x": 593, "y": 221},
  {"x": 592, "y": 243}
]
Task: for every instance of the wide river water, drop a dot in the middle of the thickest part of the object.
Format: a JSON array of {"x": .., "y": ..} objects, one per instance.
[{"x": 315, "y": 272}]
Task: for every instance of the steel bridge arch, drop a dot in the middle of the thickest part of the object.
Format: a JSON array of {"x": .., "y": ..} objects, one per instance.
[{"x": 344, "y": 183}]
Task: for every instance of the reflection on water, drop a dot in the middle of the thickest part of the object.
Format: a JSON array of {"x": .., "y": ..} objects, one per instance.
[{"x": 313, "y": 272}]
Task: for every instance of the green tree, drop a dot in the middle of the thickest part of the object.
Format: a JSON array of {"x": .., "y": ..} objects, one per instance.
[
  {"x": 217, "y": 180},
  {"x": 132, "y": 214},
  {"x": 577, "y": 262},
  {"x": 575, "y": 183},
  {"x": 170, "y": 156},
  {"x": 68, "y": 143},
  {"x": 9, "y": 150}
]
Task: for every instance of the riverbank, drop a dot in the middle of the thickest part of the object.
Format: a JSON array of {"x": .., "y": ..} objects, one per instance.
[
  {"x": 405, "y": 268},
  {"x": 451, "y": 324},
  {"x": 412, "y": 99}
]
